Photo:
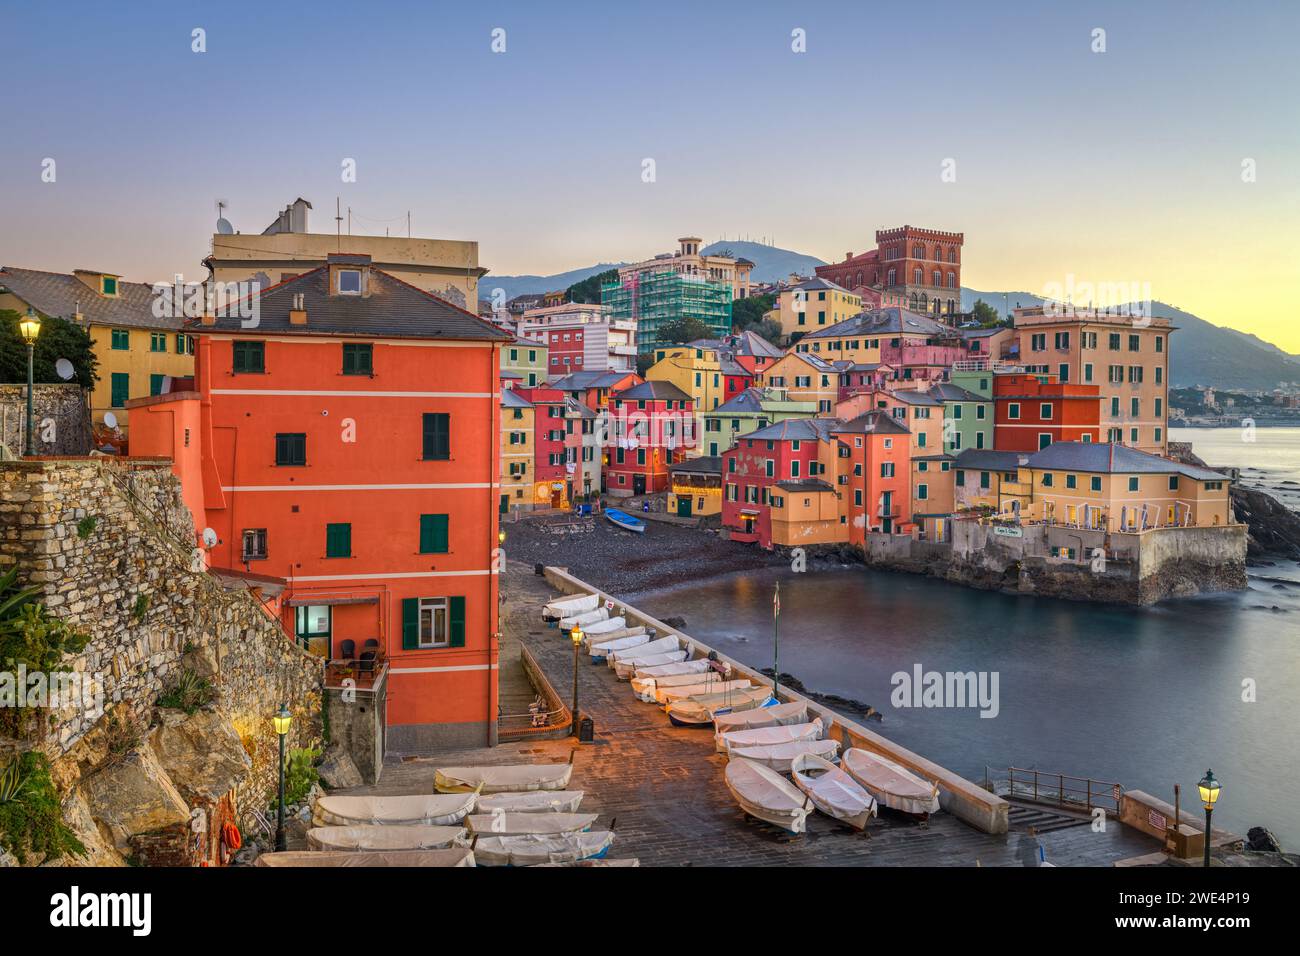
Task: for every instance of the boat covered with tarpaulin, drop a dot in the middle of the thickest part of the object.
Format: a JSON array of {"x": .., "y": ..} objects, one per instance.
[
  {"x": 530, "y": 849},
  {"x": 531, "y": 801},
  {"x": 506, "y": 777},
  {"x": 892, "y": 784},
  {"x": 457, "y": 856},
  {"x": 432, "y": 809},
  {"x": 373, "y": 837},
  {"x": 777, "y": 734},
  {"x": 779, "y": 757},
  {"x": 772, "y": 715},
  {"x": 833, "y": 791},
  {"x": 765, "y": 794},
  {"x": 701, "y": 710}
]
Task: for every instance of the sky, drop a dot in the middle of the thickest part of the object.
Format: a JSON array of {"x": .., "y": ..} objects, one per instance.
[{"x": 1169, "y": 160}]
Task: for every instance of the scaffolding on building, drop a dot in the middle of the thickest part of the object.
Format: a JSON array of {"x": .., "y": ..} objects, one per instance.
[{"x": 656, "y": 299}]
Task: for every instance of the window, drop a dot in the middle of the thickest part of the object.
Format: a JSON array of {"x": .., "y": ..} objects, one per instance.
[
  {"x": 108, "y": 285},
  {"x": 248, "y": 357},
  {"x": 358, "y": 358},
  {"x": 1087, "y": 372},
  {"x": 1133, "y": 483},
  {"x": 291, "y": 448},
  {"x": 922, "y": 492},
  {"x": 984, "y": 479},
  {"x": 338, "y": 541},
  {"x": 1113, "y": 342},
  {"x": 1013, "y": 410},
  {"x": 433, "y": 534},
  {"x": 1045, "y": 411},
  {"x": 433, "y": 622},
  {"x": 184, "y": 344},
  {"x": 349, "y": 282},
  {"x": 1173, "y": 482},
  {"x": 1070, "y": 481},
  {"x": 437, "y": 436},
  {"x": 886, "y": 469},
  {"x": 254, "y": 547},
  {"x": 121, "y": 340},
  {"x": 961, "y": 479},
  {"x": 157, "y": 341},
  {"x": 1135, "y": 406},
  {"x": 1134, "y": 343},
  {"x": 156, "y": 384},
  {"x": 1160, "y": 343},
  {"x": 1044, "y": 439},
  {"x": 121, "y": 389},
  {"x": 1095, "y": 483},
  {"x": 1047, "y": 479}
]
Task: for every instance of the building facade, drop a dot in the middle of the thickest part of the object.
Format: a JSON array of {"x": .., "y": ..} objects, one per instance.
[
  {"x": 1033, "y": 411},
  {"x": 651, "y": 426}
]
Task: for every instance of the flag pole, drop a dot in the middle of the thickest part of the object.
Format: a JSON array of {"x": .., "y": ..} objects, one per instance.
[{"x": 776, "y": 638}]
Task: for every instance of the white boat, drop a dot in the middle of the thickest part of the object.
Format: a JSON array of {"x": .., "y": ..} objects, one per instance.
[
  {"x": 779, "y": 757},
  {"x": 583, "y": 619},
  {"x": 626, "y": 668},
  {"x": 608, "y": 636},
  {"x": 530, "y": 849},
  {"x": 501, "y": 823},
  {"x": 372, "y": 837},
  {"x": 434, "y": 809},
  {"x": 660, "y": 645},
  {"x": 643, "y": 688},
  {"x": 459, "y": 856},
  {"x": 770, "y": 716},
  {"x": 599, "y": 650},
  {"x": 507, "y": 777},
  {"x": 765, "y": 794},
  {"x": 626, "y": 861},
  {"x": 720, "y": 685},
  {"x": 610, "y": 625},
  {"x": 778, "y": 734},
  {"x": 532, "y": 801},
  {"x": 892, "y": 784},
  {"x": 833, "y": 791},
  {"x": 701, "y": 710},
  {"x": 697, "y": 666},
  {"x": 567, "y": 606}
]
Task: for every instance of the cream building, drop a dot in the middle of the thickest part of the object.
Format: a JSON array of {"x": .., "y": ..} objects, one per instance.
[
  {"x": 689, "y": 261},
  {"x": 813, "y": 304}
]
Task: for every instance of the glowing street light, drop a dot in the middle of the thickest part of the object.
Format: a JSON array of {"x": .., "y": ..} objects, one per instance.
[
  {"x": 576, "y": 636},
  {"x": 1209, "y": 788},
  {"x": 30, "y": 327},
  {"x": 282, "y": 720}
]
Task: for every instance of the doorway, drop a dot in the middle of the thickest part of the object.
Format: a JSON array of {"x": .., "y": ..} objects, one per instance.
[
  {"x": 683, "y": 506},
  {"x": 638, "y": 484}
]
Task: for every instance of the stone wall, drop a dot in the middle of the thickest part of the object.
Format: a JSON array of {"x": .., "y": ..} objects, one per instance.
[
  {"x": 110, "y": 544},
  {"x": 61, "y": 414}
]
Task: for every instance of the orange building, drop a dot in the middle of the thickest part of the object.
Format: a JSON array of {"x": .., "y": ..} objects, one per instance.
[{"x": 348, "y": 443}]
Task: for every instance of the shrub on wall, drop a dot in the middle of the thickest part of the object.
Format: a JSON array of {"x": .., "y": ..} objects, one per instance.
[{"x": 31, "y": 821}]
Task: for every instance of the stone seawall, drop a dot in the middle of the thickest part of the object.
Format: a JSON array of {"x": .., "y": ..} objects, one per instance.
[{"x": 110, "y": 545}]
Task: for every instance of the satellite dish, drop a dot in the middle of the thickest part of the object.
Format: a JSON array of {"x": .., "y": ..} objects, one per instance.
[
  {"x": 209, "y": 538},
  {"x": 65, "y": 369},
  {"x": 110, "y": 419},
  {"x": 224, "y": 227}
]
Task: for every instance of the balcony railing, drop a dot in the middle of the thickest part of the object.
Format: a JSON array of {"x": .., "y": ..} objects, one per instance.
[{"x": 363, "y": 672}]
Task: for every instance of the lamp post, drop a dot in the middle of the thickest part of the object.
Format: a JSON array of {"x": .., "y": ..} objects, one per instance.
[
  {"x": 282, "y": 720},
  {"x": 576, "y": 636},
  {"x": 1209, "y": 788},
  {"x": 30, "y": 327}
]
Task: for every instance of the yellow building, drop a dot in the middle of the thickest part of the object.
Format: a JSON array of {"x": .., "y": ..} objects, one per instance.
[
  {"x": 516, "y": 451},
  {"x": 805, "y": 378},
  {"x": 137, "y": 350},
  {"x": 696, "y": 369},
  {"x": 813, "y": 304},
  {"x": 695, "y": 487},
  {"x": 1115, "y": 488}
]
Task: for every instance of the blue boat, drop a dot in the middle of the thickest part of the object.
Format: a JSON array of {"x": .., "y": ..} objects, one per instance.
[{"x": 625, "y": 520}]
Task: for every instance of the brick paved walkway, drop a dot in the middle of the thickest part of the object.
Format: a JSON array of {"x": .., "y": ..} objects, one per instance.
[{"x": 664, "y": 786}]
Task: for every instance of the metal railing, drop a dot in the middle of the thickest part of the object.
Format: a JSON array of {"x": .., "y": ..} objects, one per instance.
[{"x": 1082, "y": 794}]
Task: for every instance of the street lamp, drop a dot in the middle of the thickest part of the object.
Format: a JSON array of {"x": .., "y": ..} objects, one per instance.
[
  {"x": 576, "y": 636},
  {"x": 1209, "y": 788},
  {"x": 30, "y": 327},
  {"x": 282, "y": 720}
]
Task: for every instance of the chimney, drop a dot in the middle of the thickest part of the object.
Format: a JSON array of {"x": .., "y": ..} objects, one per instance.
[
  {"x": 298, "y": 314},
  {"x": 848, "y": 256}
]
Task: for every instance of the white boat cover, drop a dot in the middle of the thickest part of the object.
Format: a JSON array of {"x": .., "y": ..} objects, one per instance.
[
  {"x": 763, "y": 793},
  {"x": 608, "y": 626},
  {"x": 661, "y": 645},
  {"x": 833, "y": 791},
  {"x": 666, "y": 695},
  {"x": 508, "y": 777},
  {"x": 609, "y": 636},
  {"x": 617, "y": 644},
  {"x": 779, "y": 757},
  {"x": 697, "y": 666},
  {"x": 583, "y": 619},
  {"x": 626, "y": 861},
  {"x": 372, "y": 837},
  {"x": 459, "y": 856},
  {"x": 890, "y": 783},
  {"x": 433, "y": 809},
  {"x": 644, "y": 687},
  {"x": 532, "y": 801},
  {"x": 501, "y": 823},
  {"x": 701, "y": 710},
  {"x": 574, "y": 604},
  {"x": 780, "y": 734},
  {"x": 775, "y": 715},
  {"x": 530, "y": 849},
  {"x": 625, "y": 669}
]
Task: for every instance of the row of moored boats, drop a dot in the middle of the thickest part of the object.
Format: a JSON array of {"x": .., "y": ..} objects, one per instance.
[{"x": 781, "y": 766}]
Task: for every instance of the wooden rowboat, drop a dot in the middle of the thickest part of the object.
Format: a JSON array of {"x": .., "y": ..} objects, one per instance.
[
  {"x": 893, "y": 785},
  {"x": 833, "y": 791},
  {"x": 765, "y": 794},
  {"x": 625, "y": 520}
]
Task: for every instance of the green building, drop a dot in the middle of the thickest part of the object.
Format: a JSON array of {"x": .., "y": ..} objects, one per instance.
[
  {"x": 967, "y": 411},
  {"x": 752, "y": 409},
  {"x": 656, "y": 299},
  {"x": 526, "y": 361}
]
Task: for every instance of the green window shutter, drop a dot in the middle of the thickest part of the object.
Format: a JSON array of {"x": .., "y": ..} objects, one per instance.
[
  {"x": 433, "y": 534},
  {"x": 156, "y": 384},
  {"x": 437, "y": 436},
  {"x": 338, "y": 541},
  {"x": 457, "y": 605},
  {"x": 410, "y": 624},
  {"x": 121, "y": 339},
  {"x": 121, "y": 389}
]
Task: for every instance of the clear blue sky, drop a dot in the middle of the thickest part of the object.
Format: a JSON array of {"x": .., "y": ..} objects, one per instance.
[{"x": 1121, "y": 166}]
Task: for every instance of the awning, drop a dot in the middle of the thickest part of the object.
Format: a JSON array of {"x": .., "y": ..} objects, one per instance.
[{"x": 331, "y": 601}]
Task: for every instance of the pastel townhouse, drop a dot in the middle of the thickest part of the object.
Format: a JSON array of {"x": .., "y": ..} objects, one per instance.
[
  {"x": 752, "y": 409},
  {"x": 550, "y": 477},
  {"x": 805, "y": 378},
  {"x": 813, "y": 304},
  {"x": 695, "y": 487},
  {"x": 1031, "y": 411},
  {"x": 979, "y": 476},
  {"x": 967, "y": 417},
  {"x": 651, "y": 426},
  {"x": 583, "y": 447},
  {"x": 917, "y": 347},
  {"x": 526, "y": 360},
  {"x": 873, "y": 474},
  {"x": 1111, "y": 487},
  {"x": 594, "y": 388},
  {"x": 787, "y": 460},
  {"x": 517, "y": 455},
  {"x": 700, "y": 369},
  {"x": 348, "y": 445},
  {"x": 750, "y": 351}
]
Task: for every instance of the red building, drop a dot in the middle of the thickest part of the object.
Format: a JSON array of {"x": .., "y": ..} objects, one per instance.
[
  {"x": 348, "y": 444},
  {"x": 786, "y": 451},
  {"x": 1033, "y": 411},
  {"x": 594, "y": 388},
  {"x": 874, "y": 474},
  {"x": 651, "y": 425},
  {"x": 919, "y": 269},
  {"x": 549, "y": 474}
]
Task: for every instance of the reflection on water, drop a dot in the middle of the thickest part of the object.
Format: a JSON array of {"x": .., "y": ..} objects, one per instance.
[{"x": 1146, "y": 697}]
